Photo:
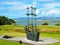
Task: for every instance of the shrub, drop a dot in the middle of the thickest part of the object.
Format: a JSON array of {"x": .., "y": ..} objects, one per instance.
[
  {"x": 45, "y": 24},
  {"x": 58, "y": 24},
  {"x": 6, "y": 21}
]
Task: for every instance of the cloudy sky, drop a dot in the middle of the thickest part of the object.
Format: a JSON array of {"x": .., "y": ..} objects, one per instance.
[{"x": 17, "y": 8}]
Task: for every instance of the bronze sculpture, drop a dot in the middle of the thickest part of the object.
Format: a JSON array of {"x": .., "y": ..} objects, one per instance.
[{"x": 31, "y": 29}]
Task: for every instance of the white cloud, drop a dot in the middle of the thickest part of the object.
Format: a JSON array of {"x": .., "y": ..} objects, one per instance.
[
  {"x": 17, "y": 5},
  {"x": 43, "y": 12},
  {"x": 11, "y": 3},
  {"x": 53, "y": 12},
  {"x": 52, "y": 4},
  {"x": 37, "y": 11},
  {"x": 49, "y": 6},
  {"x": 34, "y": 4},
  {"x": 43, "y": 0},
  {"x": 20, "y": 7},
  {"x": 49, "y": 9}
]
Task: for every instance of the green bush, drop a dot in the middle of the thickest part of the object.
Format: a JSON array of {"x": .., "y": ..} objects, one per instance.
[
  {"x": 6, "y": 21},
  {"x": 45, "y": 24},
  {"x": 58, "y": 24}
]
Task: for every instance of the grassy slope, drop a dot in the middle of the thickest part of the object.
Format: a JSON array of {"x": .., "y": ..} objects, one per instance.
[
  {"x": 51, "y": 32},
  {"x": 49, "y": 28},
  {"x": 4, "y": 42},
  {"x": 51, "y": 35},
  {"x": 46, "y": 31}
]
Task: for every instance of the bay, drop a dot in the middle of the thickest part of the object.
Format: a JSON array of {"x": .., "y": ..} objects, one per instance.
[{"x": 38, "y": 23}]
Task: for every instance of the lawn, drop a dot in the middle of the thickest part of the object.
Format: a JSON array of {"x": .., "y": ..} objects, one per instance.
[
  {"x": 51, "y": 35},
  {"x": 49, "y": 28},
  {"x": 18, "y": 31},
  {"x": 4, "y": 42}
]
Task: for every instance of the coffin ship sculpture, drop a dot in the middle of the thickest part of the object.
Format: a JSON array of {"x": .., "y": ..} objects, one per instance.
[{"x": 31, "y": 30}]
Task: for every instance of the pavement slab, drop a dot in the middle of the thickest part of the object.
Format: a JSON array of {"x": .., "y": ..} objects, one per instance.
[{"x": 42, "y": 40}]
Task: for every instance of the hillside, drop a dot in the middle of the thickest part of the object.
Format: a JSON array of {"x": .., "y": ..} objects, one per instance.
[{"x": 40, "y": 18}]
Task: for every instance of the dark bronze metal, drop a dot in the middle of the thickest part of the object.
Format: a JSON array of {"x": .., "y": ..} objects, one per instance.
[{"x": 31, "y": 29}]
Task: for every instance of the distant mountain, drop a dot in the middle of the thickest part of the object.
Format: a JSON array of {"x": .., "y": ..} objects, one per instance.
[
  {"x": 21, "y": 18},
  {"x": 40, "y": 18},
  {"x": 49, "y": 18}
]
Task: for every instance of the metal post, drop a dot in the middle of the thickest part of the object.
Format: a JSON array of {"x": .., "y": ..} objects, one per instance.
[
  {"x": 35, "y": 17},
  {"x": 32, "y": 18},
  {"x": 28, "y": 16}
]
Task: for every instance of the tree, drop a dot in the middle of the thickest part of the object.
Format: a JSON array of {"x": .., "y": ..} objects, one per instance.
[
  {"x": 6, "y": 21},
  {"x": 58, "y": 24},
  {"x": 45, "y": 24}
]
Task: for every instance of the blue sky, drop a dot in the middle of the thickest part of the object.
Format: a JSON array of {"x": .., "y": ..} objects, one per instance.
[{"x": 17, "y": 8}]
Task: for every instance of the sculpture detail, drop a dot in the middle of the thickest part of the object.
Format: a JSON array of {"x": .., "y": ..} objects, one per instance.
[{"x": 31, "y": 29}]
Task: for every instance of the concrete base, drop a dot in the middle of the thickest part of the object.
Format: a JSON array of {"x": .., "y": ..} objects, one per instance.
[{"x": 42, "y": 40}]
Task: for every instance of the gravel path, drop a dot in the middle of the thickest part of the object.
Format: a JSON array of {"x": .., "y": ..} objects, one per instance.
[{"x": 43, "y": 40}]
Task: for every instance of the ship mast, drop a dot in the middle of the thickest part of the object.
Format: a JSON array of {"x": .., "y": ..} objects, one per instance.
[{"x": 28, "y": 16}]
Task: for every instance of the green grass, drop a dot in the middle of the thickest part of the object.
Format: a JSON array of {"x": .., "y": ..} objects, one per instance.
[
  {"x": 51, "y": 35},
  {"x": 49, "y": 28},
  {"x": 4, "y": 42},
  {"x": 12, "y": 28},
  {"x": 18, "y": 31},
  {"x": 55, "y": 44},
  {"x": 15, "y": 28},
  {"x": 13, "y": 34}
]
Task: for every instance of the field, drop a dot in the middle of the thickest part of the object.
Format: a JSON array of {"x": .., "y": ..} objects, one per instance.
[
  {"x": 18, "y": 31},
  {"x": 4, "y": 42}
]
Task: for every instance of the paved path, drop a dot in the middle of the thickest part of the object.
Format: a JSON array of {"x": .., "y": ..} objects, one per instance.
[{"x": 42, "y": 41}]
